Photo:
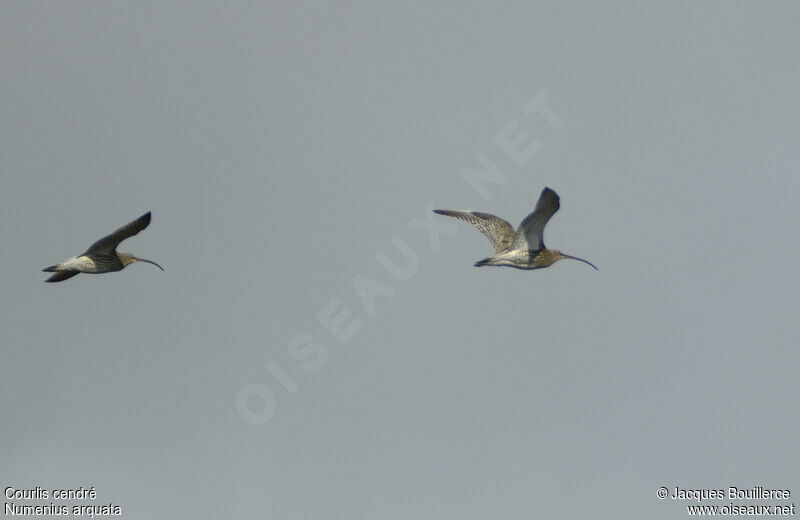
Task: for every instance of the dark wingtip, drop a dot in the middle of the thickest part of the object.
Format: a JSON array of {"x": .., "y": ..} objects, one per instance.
[
  {"x": 60, "y": 276},
  {"x": 481, "y": 263},
  {"x": 49, "y": 269}
]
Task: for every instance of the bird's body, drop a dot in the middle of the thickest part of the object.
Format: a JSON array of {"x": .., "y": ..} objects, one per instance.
[
  {"x": 102, "y": 256},
  {"x": 523, "y": 249},
  {"x": 524, "y": 259}
]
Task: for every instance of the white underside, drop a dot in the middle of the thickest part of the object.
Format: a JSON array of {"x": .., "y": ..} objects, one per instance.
[{"x": 83, "y": 264}]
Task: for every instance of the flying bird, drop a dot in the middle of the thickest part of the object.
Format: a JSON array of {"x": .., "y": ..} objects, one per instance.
[
  {"x": 102, "y": 256},
  {"x": 523, "y": 249}
]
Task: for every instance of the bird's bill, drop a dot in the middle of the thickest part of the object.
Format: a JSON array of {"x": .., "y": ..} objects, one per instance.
[
  {"x": 581, "y": 260},
  {"x": 147, "y": 261}
]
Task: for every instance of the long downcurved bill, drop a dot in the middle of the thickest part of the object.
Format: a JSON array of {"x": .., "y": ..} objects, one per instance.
[
  {"x": 581, "y": 260},
  {"x": 155, "y": 264}
]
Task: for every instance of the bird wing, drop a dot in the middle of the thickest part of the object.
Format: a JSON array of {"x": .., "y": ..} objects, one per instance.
[
  {"x": 531, "y": 230},
  {"x": 108, "y": 244},
  {"x": 498, "y": 231},
  {"x": 60, "y": 276}
]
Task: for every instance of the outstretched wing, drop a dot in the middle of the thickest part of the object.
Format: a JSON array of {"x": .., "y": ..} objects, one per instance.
[
  {"x": 498, "y": 231},
  {"x": 108, "y": 244},
  {"x": 531, "y": 230},
  {"x": 60, "y": 276}
]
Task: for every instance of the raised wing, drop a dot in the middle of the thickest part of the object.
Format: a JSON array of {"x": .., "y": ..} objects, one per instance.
[
  {"x": 498, "y": 231},
  {"x": 531, "y": 230},
  {"x": 108, "y": 244}
]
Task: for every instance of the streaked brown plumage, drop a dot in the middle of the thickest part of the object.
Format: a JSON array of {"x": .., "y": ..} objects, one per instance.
[
  {"x": 102, "y": 256},
  {"x": 523, "y": 249}
]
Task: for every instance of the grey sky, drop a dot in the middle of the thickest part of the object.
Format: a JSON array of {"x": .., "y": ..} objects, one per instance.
[{"x": 283, "y": 147}]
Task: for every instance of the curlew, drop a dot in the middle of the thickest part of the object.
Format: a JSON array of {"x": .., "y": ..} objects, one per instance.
[
  {"x": 102, "y": 256},
  {"x": 523, "y": 249}
]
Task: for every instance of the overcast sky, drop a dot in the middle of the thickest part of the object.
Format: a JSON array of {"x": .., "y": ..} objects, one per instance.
[{"x": 320, "y": 344}]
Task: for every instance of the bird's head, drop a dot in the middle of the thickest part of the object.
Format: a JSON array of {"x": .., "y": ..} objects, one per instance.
[{"x": 127, "y": 258}]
